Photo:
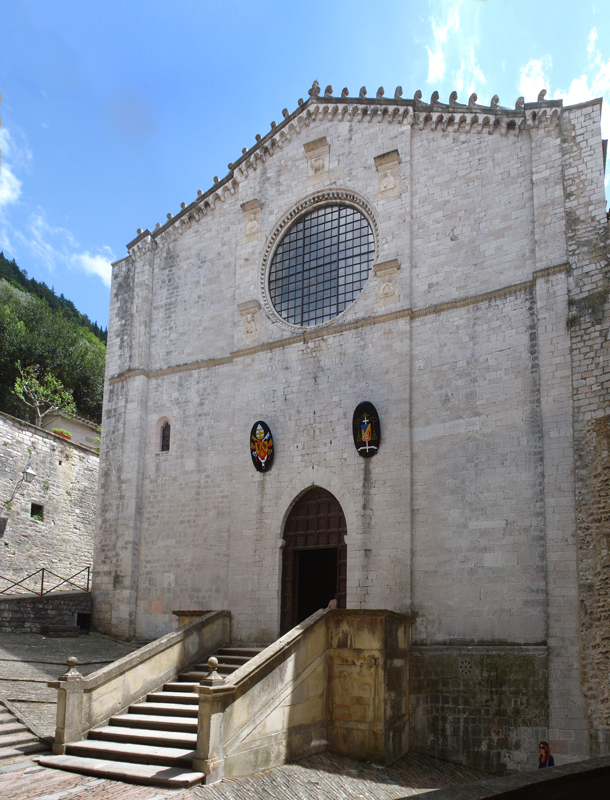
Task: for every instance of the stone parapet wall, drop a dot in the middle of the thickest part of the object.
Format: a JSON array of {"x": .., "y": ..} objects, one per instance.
[
  {"x": 30, "y": 613},
  {"x": 65, "y": 486},
  {"x": 484, "y": 706}
]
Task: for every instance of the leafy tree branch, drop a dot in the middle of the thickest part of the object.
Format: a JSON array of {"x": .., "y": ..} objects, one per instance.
[{"x": 44, "y": 394}]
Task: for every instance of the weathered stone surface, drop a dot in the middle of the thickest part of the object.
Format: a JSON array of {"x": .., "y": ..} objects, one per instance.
[
  {"x": 491, "y": 397},
  {"x": 31, "y": 613},
  {"x": 65, "y": 486},
  {"x": 462, "y": 699}
]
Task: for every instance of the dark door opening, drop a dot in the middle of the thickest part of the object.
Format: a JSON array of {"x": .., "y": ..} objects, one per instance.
[
  {"x": 314, "y": 561},
  {"x": 316, "y": 581}
]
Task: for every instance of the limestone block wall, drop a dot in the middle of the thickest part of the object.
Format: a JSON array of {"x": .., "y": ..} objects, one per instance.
[
  {"x": 484, "y": 706},
  {"x": 490, "y": 222},
  {"x": 589, "y": 325},
  {"x": 65, "y": 486},
  {"x": 31, "y": 613}
]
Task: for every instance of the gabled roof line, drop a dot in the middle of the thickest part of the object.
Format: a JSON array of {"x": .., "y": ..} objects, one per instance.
[{"x": 417, "y": 104}]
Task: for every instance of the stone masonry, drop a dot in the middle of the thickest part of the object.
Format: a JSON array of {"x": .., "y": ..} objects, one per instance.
[
  {"x": 480, "y": 337},
  {"x": 60, "y": 537}
]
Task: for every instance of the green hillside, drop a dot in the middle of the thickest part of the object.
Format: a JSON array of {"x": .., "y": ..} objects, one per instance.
[
  {"x": 38, "y": 327},
  {"x": 9, "y": 271}
]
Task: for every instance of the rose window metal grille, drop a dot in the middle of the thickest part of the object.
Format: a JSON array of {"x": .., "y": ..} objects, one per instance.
[
  {"x": 165, "y": 433},
  {"x": 321, "y": 265}
]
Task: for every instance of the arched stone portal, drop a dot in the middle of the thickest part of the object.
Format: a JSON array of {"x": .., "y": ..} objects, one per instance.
[{"x": 314, "y": 557}]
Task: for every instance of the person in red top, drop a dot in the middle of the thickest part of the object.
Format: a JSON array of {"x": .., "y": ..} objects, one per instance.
[{"x": 545, "y": 759}]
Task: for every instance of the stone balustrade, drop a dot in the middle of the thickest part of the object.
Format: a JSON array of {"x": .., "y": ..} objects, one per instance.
[
  {"x": 337, "y": 681},
  {"x": 84, "y": 703}
]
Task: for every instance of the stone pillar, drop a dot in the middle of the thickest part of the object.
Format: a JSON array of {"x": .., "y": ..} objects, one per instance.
[
  {"x": 69, "y": 726},
  {"x": 567, "y": 732},
  {"x": 214, "y": 698},
  {"x": 124, "y": 431},
  {"x": 367, "y": 668}
]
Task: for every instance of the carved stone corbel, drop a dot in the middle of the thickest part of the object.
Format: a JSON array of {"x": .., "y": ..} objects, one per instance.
[
  {"x": 318, "y": 157},
  {"x": 252, "y": 214},
  {"x": 250, "y": 313},
  {"x": 387, "y": 168},
  {"x": 386, "y": 273}
]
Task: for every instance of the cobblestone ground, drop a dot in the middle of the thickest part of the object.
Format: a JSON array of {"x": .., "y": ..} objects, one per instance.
[
  {"x": 29, "y": 660},
  {"x": 321, "y": 777}
]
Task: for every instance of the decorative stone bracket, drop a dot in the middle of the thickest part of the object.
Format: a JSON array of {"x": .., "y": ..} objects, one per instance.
[
  {"x": 318, "y": 156},
  {"x": 250, "y": 313},
  {"x": 386, "y": 273},
  {"x": 252, "y": 213},
  {"x": 387, "y": 167}
]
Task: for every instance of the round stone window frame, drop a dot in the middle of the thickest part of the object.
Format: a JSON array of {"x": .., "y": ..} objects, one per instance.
[{"x": 311, "y": 203}]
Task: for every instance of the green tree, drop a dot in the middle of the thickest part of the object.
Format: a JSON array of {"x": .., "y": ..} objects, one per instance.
[
  {"x": 32, "y": 334},
  {"x": 43, "y": 393}
]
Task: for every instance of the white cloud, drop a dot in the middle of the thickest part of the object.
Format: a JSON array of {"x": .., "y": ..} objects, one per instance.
[
  {"x": 534, "y": 77},
  {"x": 56, "y": 247},
  {"x": 470, "y": 76},
  {"x": 440, "y": 32},
  {"x": 594, "y": 82},
  {"x": 10, "y": 185},
  {"x": 96, "y": 264}
]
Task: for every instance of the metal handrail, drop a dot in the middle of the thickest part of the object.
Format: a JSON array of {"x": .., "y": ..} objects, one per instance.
[{"x": 42, "y": 572}]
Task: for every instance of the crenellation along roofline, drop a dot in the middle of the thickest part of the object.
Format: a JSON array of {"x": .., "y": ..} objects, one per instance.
[{"x": 315, "y": 98}]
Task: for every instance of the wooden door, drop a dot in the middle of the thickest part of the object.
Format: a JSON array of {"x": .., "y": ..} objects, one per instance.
[{"x": 316, "y": 522}]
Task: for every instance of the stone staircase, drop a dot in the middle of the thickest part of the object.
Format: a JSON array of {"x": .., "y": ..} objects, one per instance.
[
  {"x": 154, "y": 741},
  {"x": 16, "y": 741}
]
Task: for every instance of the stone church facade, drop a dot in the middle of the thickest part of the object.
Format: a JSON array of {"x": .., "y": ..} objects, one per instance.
[{"x": 465, "y": 296}]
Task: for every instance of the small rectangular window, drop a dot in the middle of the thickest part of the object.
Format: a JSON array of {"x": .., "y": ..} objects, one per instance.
[{"x": 37, "y": 512}]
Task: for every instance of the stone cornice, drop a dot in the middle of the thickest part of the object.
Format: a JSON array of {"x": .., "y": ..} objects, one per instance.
[
  {"x": 452, "y": 116},
  {"x": 318, "y": 333}
]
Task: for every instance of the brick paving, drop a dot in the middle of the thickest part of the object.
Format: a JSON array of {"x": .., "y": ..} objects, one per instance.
[{"x": 321, "y": 777}]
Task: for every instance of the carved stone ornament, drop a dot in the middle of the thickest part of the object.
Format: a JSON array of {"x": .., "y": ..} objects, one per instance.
[
  {"x": 318, "y": 155},
  {"x": 386, "y": 273},
  {"x": 366, "y": 429},
  {"x": 387, "y": 167},
  {"x": 262, "y": 448},
  {"x": 250, "y": 315},
  {"x": 252, "y": 214}
]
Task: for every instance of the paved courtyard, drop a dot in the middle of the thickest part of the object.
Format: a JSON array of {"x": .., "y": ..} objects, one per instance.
[
  {"x": 321, "y": 777},
  {"x": 28, "y": 661}
]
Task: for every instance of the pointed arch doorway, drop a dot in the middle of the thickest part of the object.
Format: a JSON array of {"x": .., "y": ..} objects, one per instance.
[{"x": 314, "y": 557}]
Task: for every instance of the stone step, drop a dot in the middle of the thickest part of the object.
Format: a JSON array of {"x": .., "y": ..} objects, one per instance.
[
  {"x": 171, "y": 709},
  {"x": 135, "y": 753},
  {"x": 231, "y": 661},
  {"x": 59, "y": 631},
  {"x": 183, "y": 698},
  {"x": 13, "y": 739},
  {"x": 117, "y": 733},
  {"x": 14, "y": 726},
  {"x": 182, "y": 686},
  {"x": 196, "y": 677},
  {"x": 148, "y": 775},
  {"x": 154, "y": 722},
  {"x": 27, "y": 748},
  {"x": 250, "y": 652}
]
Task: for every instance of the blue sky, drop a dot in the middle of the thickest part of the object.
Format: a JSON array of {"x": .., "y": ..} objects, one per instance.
[{"x": 113, "y": 113}]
